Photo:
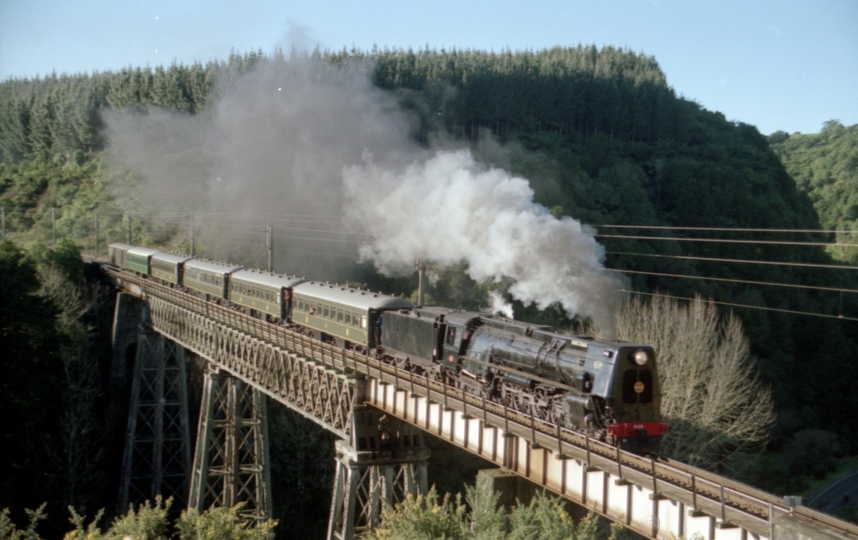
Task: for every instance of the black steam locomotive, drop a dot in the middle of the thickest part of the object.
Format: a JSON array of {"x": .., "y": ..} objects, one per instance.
[{"x": 607, "y": 388}]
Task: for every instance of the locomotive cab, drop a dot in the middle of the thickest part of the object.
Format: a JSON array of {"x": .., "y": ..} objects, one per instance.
[{"x": 458, "y": 330}]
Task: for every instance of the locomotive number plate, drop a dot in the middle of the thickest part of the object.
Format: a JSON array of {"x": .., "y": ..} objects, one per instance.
[{"x": 639, "y": 387}]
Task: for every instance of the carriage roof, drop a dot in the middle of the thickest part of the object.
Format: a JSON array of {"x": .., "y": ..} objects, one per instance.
[{"x": 349, "y": 296}]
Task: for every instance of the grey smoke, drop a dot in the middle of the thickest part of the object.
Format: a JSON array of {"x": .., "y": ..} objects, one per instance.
[
  {"x": 299, "y": 137},
  {"x": 450, "y": 208}
]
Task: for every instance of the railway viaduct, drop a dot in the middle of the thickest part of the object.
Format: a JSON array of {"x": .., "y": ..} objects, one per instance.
[{"x": 380, "y": 413}]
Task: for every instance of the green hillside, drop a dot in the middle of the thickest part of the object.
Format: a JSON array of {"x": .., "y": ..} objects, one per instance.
[
  {"x": 602, "y": 137},
  {"x": 825, "y": 167}
]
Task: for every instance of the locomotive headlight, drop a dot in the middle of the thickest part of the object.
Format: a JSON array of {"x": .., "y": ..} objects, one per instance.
[{"x": 640, "y": 357}]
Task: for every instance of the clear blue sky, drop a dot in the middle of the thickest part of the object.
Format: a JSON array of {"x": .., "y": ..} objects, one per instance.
[{"x": 778, "y": 64}]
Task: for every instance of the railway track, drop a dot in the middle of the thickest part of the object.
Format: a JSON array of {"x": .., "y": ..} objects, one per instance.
[{"x": 695, "y": 487}]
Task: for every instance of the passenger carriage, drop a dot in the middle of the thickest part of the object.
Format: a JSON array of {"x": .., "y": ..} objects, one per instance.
[
  {"x": 168, "y": 266},
  {"x": 208, "y": 277},
  {"x": 343, "y": 315},
  {"x": 266, "y": 292},
  {"x": 139, "y": 258},
  {"x": 117, "y": 253}
]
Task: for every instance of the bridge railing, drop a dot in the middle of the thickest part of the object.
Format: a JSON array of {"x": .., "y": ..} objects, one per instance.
[{"x": 699, "y": 489}]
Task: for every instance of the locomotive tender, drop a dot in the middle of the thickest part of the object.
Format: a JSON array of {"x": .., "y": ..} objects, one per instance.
[{"x": 609, "y": 389}]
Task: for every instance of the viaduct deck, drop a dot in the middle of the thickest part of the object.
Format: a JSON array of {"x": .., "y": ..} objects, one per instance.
[{"x": 657, "y": 498}]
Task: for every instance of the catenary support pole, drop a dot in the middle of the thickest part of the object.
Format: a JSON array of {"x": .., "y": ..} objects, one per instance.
[
  {"x": 420, "y": 269},
  {"x": 191, "y": 234},
  {"x": 270, "y": 245}
]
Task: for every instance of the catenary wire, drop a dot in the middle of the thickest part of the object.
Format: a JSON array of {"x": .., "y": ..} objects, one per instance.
[
  {"x": 744, "y": 281},
  {"x": 745, "y": 261},
  {"x": 747, "y": 306},
  {"x": 727, "y": 241},
  {"x": 721, "y": 229}
]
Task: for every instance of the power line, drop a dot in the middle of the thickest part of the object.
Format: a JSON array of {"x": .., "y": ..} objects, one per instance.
[
  {"x": 744, "y": 281},
  {"x": 322, "y": 239},
  {"x": 346, "y": 256},
  {"x": 747, "y": 306},
  {"x": 318, "y": 230},
  {"x": 721, "y": 229},
  {"x": 745, "y": 261},
  {"x": 727, "y": 241}
]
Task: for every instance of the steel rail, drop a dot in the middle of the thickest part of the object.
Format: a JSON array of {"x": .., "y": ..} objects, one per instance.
[{"x": 698, "y": 488}]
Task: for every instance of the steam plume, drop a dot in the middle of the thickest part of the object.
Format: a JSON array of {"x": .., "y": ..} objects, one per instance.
[
  {"x": 301, "y": 137},
  {"x": 449, "y": 208}
]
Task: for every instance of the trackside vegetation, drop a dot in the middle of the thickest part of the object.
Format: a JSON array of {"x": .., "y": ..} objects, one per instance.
[{"x": 601, "y": 136}]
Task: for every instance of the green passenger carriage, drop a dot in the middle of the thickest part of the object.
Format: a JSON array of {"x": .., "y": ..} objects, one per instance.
[
  {"x": 208, "y": 277},
  {"x": 343, "y": 314},
  {"x": 168, "y": 266},
  {"x": 138, "y": 259},
  {"x": 265, "y": 292},
  {"x": 118, "y": 253}
]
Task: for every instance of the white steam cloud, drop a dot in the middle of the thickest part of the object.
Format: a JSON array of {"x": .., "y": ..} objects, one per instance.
[
  {"x": 449, "y": 208},
  {"x": 499, "y": 304},
  {"x": 299, "y": 137}
]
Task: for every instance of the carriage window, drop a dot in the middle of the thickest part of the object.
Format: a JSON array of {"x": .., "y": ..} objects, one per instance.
[
  {"x": 340, "y": 315},
  {"x": 325, "y": 312}
]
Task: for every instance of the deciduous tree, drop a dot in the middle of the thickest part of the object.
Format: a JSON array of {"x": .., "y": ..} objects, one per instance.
[{"x": 718, "y": 409}]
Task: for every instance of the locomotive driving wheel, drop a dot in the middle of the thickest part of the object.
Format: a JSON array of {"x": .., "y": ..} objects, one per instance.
[{"x": 512, "y": 398}]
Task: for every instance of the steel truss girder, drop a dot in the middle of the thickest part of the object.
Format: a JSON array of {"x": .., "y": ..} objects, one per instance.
[
  {"x": 316, "y": 391},
  {"x": 231, "y": 463},
  {"x": 500, "y": 435},
  {"x": 157, "y": 453}
]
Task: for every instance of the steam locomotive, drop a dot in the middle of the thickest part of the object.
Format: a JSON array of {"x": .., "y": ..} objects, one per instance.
[{"x": 609, "y": 389}]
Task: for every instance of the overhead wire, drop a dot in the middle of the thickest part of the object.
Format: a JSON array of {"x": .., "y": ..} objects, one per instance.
[
  {"x": 748, "y": 306},
  {"x": 721, "y": 229},
  {"x": 727, "y": 241},
  {"x": 227, "y": 221},
  {"x": 742, "y": 281},
  {"x": 346, "y": 255},
  {"x": 744, "y": 261}
]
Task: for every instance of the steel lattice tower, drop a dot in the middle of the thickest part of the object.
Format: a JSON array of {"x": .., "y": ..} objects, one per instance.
[
  {"x": 157, "y": 455},
  {"x": 231, "y": 462},
  {"x": 383, "y": 463}
]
